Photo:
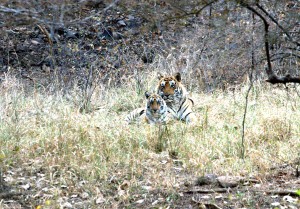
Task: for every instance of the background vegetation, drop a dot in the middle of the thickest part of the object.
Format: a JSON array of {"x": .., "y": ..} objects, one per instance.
[{"x": 71, "y": 71}]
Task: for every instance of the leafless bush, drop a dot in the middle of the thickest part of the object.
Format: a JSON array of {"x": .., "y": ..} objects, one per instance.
[{"x": 208, "y": 41}]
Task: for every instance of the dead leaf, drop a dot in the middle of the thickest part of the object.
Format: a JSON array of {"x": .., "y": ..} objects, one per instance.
[
  {"x": 100, "y": 199},
  {"x": 26, "y": 186},
  {"x": 205, "y": 197},
  {"x": 219, "y": 196},
  {"x": 140, "y": 201},
  {"x": 67, "y": 205},
  {"x": 275, "y": 204},
  {"x": 208, "y": 206},
  {"x": 155, "y": 202},
  {"x": 148, "y": 188},
  {"x": 121, "y": 192},
  {"x": 35, "y": 42},
  {"x": 124, "y": 185},
  {"x": 290, "y": 199},
  {"x": 84, "y": 195}
]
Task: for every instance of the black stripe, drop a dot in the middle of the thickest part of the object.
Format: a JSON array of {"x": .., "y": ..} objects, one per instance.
[
  {"x": 181, "y": 105},
  {"x": 184, "y": 109},
  {"x": 142, "y": 112},
  {"x": 171, "y": 109},
  {"x": 187, "y": 115},
  {"x": 192, "y": 101}
]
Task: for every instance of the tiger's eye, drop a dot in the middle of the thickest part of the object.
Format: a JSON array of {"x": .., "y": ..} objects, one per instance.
[{"x": 172, "y": 84}]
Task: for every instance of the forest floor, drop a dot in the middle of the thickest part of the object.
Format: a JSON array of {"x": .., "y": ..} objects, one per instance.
[{"x": 278, "y": 189}]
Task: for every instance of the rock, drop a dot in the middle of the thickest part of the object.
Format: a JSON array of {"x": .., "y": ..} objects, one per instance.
[
  {"x": 118, "y": 35},
  {"x": 94, "y": 4},
  {"x": 107, "y": 33},
  {"x": 132, "y": 22},
  {"x": 206, "y": 180},
  {"x": 121, "y": 23},
  {"x": 84, "y": 195},
  {"x": 229, "y": 181},
  {"x": 71, "y": 34}
]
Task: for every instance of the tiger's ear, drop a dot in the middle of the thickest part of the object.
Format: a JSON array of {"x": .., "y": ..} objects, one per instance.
[
  {"x": 159, "y": 76},
  {"x": 147, "y": 94},
  {"x": 178, "y": 77}
]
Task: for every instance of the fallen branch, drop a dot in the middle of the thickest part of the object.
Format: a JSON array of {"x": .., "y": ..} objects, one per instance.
[
  {"x": 279, "y": 192},
  {"x": 221, "y": 190},
  {"x": 5, "y": 195},
  {"x": 283, "y": 79},
  {"x": 207, "y": 191}
]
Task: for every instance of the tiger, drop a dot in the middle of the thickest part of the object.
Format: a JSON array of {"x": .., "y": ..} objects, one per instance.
[
  {"x": 176, "y": 97},
  {"x": 155, "y": 112}
]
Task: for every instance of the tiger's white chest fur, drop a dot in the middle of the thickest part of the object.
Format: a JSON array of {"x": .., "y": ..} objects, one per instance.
[
  {"x": 180, "y": 108},
  {"x": 154, "y": 118}
]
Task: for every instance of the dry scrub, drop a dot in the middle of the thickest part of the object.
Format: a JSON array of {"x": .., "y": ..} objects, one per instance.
[{"x": 64, "y": 154}]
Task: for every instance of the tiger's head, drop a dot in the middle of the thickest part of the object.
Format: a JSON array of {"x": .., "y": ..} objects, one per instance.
[
  {"x": 170, "y": 88},
  {"x": 155, "y": 104}
]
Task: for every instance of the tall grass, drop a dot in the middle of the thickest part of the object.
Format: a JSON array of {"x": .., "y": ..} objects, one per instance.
[{"x": 46, "y": 133}]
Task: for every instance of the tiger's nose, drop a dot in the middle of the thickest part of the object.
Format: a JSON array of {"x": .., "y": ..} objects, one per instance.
[{"x": 166, "y": 96}]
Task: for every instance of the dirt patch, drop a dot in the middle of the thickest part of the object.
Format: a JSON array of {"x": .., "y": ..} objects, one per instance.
[{"x": 32, "y": 188}]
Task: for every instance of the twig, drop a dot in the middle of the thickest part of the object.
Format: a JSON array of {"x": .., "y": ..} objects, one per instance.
[
  {"x": 273, "y": 19},
  {"x": 28, "y": 77},
  {"x": 94, "y": 15},
  {"x": 1, "y": 180},
  {"x": 44, "y": 30},
  {"x": 27, "y": 13},
  {"x": 197, "y": 12},
  {"x": 249, "y": 89}
]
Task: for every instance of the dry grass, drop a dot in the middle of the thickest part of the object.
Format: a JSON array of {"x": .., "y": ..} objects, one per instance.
[{"x": 44, "y": 134}]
